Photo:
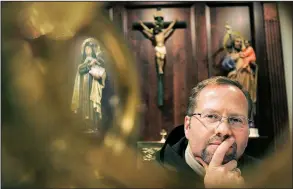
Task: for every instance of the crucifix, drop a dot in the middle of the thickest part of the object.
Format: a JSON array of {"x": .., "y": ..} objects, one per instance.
[{"x": 158, "y": 32}]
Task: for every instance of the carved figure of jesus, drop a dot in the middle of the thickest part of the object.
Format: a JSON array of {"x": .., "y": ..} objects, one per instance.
[{"x": 158, "y": 36}]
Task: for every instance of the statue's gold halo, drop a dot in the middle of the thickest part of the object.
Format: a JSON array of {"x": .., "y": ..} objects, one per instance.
[{"x": 91, "y": 40}]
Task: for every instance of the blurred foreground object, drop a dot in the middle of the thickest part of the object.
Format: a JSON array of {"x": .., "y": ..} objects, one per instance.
[
  {"x": 275, "y": 171},
  {"x": 56, "y": 20},
  {"x": 42, "y": 145}
]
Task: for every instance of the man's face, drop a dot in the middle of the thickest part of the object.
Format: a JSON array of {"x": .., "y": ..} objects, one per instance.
[
  {"x": 226, "y": 101},
  {"x": 237, "y": 43}
]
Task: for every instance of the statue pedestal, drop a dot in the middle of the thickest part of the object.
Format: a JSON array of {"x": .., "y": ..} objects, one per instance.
[{"x": 253, "y": 133}]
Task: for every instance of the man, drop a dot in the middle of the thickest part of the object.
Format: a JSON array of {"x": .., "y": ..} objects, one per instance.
[{"x": 208, "y": 149}]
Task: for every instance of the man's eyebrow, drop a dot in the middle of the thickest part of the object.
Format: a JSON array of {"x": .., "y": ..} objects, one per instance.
[
  {"x": 210, "y": 110},
  {"x": 217, "y": 111},
  {"x": 236, "y": 114}
]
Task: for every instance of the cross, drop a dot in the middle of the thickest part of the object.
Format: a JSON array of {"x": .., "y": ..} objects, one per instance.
[
  {"x": 178, "y": 25},
  {"x": 158, "y": 32}
]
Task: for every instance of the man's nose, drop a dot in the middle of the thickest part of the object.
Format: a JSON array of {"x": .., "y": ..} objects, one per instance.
[{"x": 224, "y": 128}]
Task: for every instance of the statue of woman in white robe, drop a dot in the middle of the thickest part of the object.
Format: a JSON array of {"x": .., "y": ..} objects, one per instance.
[{"x": 89, "y": 84}]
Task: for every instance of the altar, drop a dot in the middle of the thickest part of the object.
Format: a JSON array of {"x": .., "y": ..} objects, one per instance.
[{"x": 146, "y": 150}]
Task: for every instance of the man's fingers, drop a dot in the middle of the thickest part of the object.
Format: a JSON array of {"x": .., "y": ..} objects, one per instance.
[
  {"x": 240, "y": 180},
  {"x": 219, "y": 154},
  {"x": 237, "y": 172},
  {"x": 232, "y": 181},
  {"x": 230, "y": 165},
  {"x": 202, "y": 162}
]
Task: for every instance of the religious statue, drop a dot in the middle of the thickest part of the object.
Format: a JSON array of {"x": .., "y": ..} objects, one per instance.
[
  {"x": 158, "y": 35},
  {"x": 89, "y": 83},
  {"x": 248, "y": 55},
  {"x": 158, "y": 32},
  {"x": 240, "y": 62}
]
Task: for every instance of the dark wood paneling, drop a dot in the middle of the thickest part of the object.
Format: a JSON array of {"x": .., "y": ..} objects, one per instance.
[
  {"x": 276, "y": 72},
  {"x": 143, "y": 55},
  {"x": 163, "y": 4},
  {"x": 181, "y": 54},
  {"x": 201, "y": 44},
  {"x": 118, "y": 12},
  {"x": 263, "y": 115}
]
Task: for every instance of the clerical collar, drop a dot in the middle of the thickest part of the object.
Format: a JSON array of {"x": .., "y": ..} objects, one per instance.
[{"x": 192, "y": 162}]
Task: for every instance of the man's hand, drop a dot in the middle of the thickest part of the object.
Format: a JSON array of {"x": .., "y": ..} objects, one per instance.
[{"x": 218, "y": 175}]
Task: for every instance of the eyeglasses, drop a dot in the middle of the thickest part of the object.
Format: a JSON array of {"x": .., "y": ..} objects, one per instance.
[{"x": 213, "y": 120}]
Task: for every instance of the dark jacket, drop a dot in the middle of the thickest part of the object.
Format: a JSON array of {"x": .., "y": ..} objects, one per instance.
[{"x": 171, "y": 157}]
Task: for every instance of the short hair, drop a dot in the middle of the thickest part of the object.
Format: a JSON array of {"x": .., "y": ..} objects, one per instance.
[{"x": 218, "y": 80}]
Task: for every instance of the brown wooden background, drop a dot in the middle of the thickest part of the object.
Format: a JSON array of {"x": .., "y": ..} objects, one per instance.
[{"x": 190, "y": 58}]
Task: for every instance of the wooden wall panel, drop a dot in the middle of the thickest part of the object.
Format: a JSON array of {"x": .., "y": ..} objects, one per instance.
[
  {"x": 201, "y": 50},
  {"x": 263, "y": 119},
  {"x": 144, "y": 55},
  {"x": 276, "y": 76},
  {"x": 181, "y": 51}
]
